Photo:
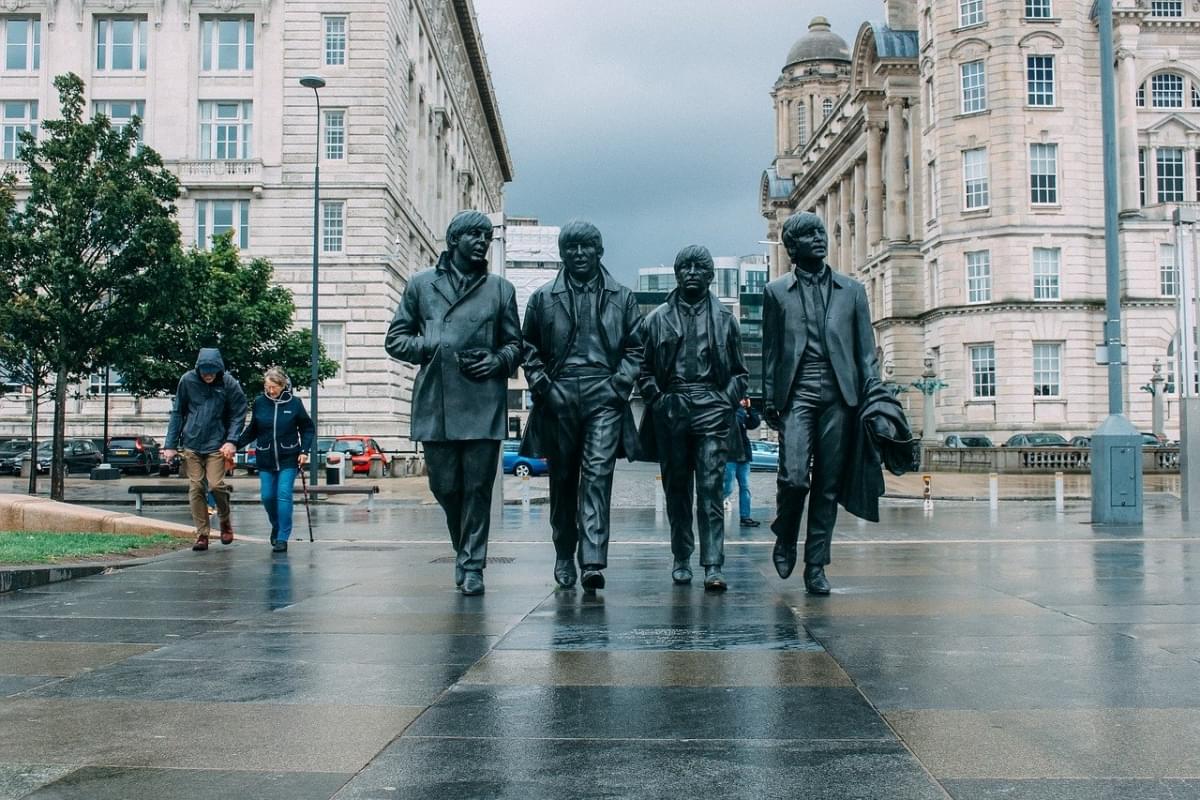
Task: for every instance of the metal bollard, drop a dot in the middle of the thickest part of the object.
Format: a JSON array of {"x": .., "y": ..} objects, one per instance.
[
  {"x": 525, "y": 493},
  {"x": 928, "y": 492},
  {"x": 994, "y": 490},
  {"x": 1059, "y": 492},
  {"x": 660, "y": 499}
]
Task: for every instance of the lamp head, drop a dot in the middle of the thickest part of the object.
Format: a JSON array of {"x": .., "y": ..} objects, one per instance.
[{"x": 312, "y": 81}]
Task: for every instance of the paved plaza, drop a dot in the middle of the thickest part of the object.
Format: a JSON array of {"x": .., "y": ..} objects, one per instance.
[{"x": 966, "y": 652}]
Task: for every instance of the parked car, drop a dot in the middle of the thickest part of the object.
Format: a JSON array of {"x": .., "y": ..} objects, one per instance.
[
  {"x": 522, "y": 466},
  {"x": 361, "y": 450},
  {"x": 324, "y": 443},
  {"x": 10, "y": 455},
  {"x": 1037, "y": 440},
  {"x": 1081, "y": 441},
  {"x": 764, "y": 456},
  {"x": 132, "y": 453},
  {"x": 79, "y": 456},
  {"x": 1148, "y": 440},
  {"x": 967, "y": 440},
  {"x": 247, "y": 459}
]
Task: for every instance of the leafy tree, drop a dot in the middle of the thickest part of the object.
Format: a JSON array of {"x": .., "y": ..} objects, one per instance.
[
  {"x": 91, "y": 250},
  {"x": 217, "y": 300}
]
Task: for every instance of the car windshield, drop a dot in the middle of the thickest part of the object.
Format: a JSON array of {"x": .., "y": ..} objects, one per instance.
[
  {"x": 323, "y": 444},
  {"x": 1046, "y": 438},
  {"x": 353, "y": 448}
]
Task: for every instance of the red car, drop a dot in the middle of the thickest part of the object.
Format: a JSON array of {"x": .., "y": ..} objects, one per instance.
[{"x": 361, "y": 450}]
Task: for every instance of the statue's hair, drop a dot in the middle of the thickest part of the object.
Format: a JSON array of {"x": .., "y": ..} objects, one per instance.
[
  {"x": 580, "y": 231},
  {"x": 797, "y": 222},
  {"x": 694, "y": 252},
  {"x": 464, "y": 221}
]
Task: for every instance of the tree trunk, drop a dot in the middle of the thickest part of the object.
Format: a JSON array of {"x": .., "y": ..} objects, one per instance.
[
  {"x": 57, "y": 484},
  {"x": 33, "y": 437}
]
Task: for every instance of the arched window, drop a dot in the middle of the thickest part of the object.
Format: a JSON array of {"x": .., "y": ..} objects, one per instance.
[
  {"x": 826, "y": 107},
  {"x": 1166, "y": 90}
]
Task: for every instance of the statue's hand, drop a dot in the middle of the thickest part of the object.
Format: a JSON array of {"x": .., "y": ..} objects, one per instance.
[
  {"x": 771, "y": 417},
  {"x": 487, "y": 366}
]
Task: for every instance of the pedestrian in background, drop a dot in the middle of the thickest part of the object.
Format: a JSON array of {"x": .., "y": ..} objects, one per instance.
[
  {"x": 206, "y": 422},
  {"x": 739, "y": 464},
  {"x": 283, "y": 433}
]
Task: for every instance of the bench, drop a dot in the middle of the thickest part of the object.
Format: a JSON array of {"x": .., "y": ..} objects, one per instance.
[
  {"x": 138, "y": 490},
  {"x": 369, "y": 491}
]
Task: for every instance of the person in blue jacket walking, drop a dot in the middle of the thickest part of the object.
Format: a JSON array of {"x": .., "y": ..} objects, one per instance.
[{"x": 283, "y": 432}]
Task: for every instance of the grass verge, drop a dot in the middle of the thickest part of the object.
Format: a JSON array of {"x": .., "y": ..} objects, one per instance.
[{"x": 42, "y": 547}]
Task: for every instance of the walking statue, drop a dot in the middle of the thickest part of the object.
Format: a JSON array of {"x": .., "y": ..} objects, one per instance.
[
  {"x": 822, "y": 392},
  {"x": 692, "y": 378},
  {"x": 583, "y": 349},
  {"x": 460, "y": 324}
]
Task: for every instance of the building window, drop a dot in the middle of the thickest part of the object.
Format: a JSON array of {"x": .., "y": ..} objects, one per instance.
[
  {"x": 930, "y": 102},
  {"x": 225, "y": 129},
  {"x": 826, "y": 107},
  {"x": 335, "y": 134},
  {"x": 121, "y": 112},
  {"x": 801, "y": 125},
  {"x": 214, "y": 217},
  {"x": 1043, "y": 174},
  {"x": 227, "y": 44},
  {"x": 1166, "y": 8},
  {"x": 22, "y": 37},
  {"x": 121, "y": 44},
  {"x": 1166, "y": 90},
  {"x": 970, "y": 12},
  {"x": 974, "y": 87},
  {"x": 1168, "y": 273},
  {"x": 116, "y": 383},
  {"x": 975, "y": 178},
  {"x": 333, "y": 226},
  {"x": 335, "y": 40},
  {"x": 979, "y": 276},
  {"x": 1169, "y": 165},
  {"x": 983, "y": 370},
  {"x": 1037, "y": 9},
  {"x": 1141, "y": 176},
  {"x": 19, "y": 115},
  {"x": 1195, "y": 96},
  {"x": 333, "y": 337},
  {"x": 1039, "y": 80},
  {"x": 1047, "y": 369},
  {"x": 931, "y": 195},
  {"x": 933, "y": 284},
  {"x": 1140, "y": 98},
  {"x": 1047, "y": 269}
]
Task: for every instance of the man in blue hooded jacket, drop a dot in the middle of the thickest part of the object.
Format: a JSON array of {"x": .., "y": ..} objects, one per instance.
[{"x": 206, "y": 422}]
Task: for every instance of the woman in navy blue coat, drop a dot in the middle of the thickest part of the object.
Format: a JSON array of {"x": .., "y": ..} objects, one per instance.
[{"x": 283, "y": 432}]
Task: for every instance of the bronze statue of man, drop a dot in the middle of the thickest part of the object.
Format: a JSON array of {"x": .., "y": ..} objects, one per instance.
[
  {"x": 583, "y": 349},
  {"x": 460, "y": 324},
  {"x": 819, "y": 365},
  {"x": 692, "y": 378}
]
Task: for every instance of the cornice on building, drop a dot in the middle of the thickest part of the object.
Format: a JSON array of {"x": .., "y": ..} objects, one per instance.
[{"x": 469, "y": 26}]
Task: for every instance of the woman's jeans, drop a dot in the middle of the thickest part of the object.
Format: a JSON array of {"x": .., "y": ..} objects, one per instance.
[
  {"x": 275, "y": 489},
  {"x": 740, "y": 470}
]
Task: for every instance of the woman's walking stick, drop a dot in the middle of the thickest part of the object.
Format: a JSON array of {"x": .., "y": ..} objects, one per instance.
[{"x": 307, "y": 513}]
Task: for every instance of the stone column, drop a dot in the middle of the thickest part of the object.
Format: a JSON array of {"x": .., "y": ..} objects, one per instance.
[
  {"x": 780, "y": 131},
  {"x": 1127, "y": 129},
  {"x": 846, "y": 245},
  {"x": 874, "y": 183},
  {"x": 897, "y": 223},
  {"x": 834, "y": 212},
  {"x": 860, "y": 215},
  {"x": 916, "y": 174}
]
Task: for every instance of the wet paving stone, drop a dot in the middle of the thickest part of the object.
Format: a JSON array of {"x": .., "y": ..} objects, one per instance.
[
  {"x": 610, "y": 712},
  {"x": 110, "y": 630},
  {"x": 142, "y": 609},
  {"x": 548, "y": 769},
  {"x": 17, "y": 782},
  {"x": 329, "y": 648},
  {"x": 400, "y": 623},
  {"x": 122, "y": 783},
  {"x": 632, "y": 636},
  {"x": 62, "y": 658},
  {"x": 1107, "y": 789},
  {"x": 231, "y": 681},
  {"x": 15, "y": 684}
]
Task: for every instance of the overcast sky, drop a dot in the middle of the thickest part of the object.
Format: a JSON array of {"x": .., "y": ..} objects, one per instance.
[{"x": 650, "y": 118}]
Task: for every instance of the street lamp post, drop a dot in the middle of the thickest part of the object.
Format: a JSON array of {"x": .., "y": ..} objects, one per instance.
[
  {"x": 929, "y": 385},
  {"x": 315, "y": 82}
]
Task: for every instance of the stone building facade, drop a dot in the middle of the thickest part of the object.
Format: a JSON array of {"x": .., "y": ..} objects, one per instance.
[
  {"x": 959, "y": 171},
  {"x": 410, "y": 133}
]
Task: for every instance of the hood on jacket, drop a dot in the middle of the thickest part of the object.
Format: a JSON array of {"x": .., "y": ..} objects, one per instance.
[
  {"x": 209, "y": 360},
  {"x": 284, "y": 396}
]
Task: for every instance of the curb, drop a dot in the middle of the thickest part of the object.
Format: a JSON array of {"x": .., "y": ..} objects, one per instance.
[{"x": 14, "y": 578}]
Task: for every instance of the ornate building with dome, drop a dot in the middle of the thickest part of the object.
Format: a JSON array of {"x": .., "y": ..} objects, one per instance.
[{"x": 954, "y": 152}]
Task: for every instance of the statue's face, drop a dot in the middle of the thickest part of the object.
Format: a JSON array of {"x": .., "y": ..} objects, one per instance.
[
  {"x": 581, "y": 259},
  {"x": 694, "y": 277},
  {"x": 472, "y": 247},
  {"x": 807, "y": 244}
]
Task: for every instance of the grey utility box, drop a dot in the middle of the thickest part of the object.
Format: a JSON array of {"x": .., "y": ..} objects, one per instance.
[{"x": 1116, "y": 473}]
